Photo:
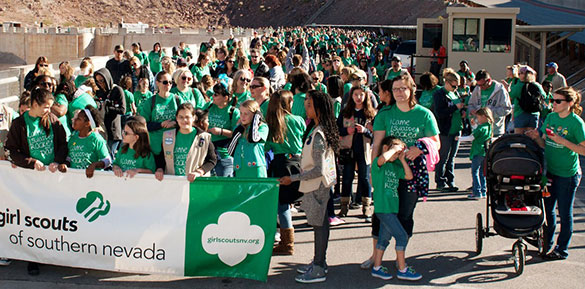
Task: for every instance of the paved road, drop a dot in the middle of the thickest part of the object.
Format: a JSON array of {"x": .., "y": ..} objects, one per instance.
[{"x": 442, "y": 249}]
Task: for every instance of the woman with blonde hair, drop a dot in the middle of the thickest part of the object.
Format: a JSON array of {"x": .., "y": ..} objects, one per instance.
[
  {"x": 447, "y": 109},
  {"x": 240, "y": 87},
  {"x": 184, "y": 79},
  {"x": 85, "y": 72}
]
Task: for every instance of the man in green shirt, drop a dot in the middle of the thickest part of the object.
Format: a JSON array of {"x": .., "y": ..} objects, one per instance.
[{"x": 396, "y": 69}]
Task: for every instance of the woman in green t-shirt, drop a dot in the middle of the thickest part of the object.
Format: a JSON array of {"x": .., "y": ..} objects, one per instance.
[
  {"x": 285, "y": 140},
  {"x": 135, "y": 156},
  {"x": 159, "y": 111},
  {"x": 524, "y": 120},
  {"x": 155, "y": 58},
  {"x": 201, "y": 68},
  {"x": 87, "y": 148},
  {"x": 223, "y": 118},
  {"x": 184, "y": 80},
  {"x": 563, "y": 139},
  {"x": 241, "y": 87}
]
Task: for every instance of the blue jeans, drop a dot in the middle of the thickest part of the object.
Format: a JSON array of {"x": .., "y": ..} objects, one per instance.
[
  {"x": 562, "y": 192},
  {"x": 390, "y": 227},
  {"x": 284, "y": 216},
  {"x": 364, "y": 189},
  {"x": 444, "y": 171},
  {"x": 479, "y": 186},
  {"x": 224, "y": 167}
]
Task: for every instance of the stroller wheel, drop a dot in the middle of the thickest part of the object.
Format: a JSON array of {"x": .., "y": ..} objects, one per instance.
[
  {"x": 519, "y": 257},
  {"x": 478, "y": 234}
]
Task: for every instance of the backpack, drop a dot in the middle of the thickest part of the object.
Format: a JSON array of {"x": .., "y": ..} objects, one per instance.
[{"x": 531, "y": 98}]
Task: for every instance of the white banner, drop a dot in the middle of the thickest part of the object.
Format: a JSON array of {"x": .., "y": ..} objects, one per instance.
[{"x": 67, "y": 219}]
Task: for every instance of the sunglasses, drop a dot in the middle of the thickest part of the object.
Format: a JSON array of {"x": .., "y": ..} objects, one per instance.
[
  {"x": 245, "y": 79},
  {"x": 43, "y": 65},
  {"x": 186, "y": 78},
  {"x": 253, "y": 86},
  {"x": 165, "y": 82},
  {"x": 119, "y": 51},
  {"x": 558, "y": 101},
  {"x": 230, "y": 61},
  {"x": 253, "y": 56},
  {"x": 46, "y": 84}
]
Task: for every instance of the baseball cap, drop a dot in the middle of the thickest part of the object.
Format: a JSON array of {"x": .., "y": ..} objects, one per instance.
[
  {"x": 396, "y": 58},
  {"x": 552, "y": 64},
  {"x": 526, "y": 68},
  {"x": 181, "y": 61}
]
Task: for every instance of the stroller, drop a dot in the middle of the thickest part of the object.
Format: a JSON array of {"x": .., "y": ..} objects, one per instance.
[{"x": 514, "y": 173}]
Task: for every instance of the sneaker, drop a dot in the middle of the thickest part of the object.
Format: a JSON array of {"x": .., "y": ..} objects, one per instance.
[
  {"x": 368, "y": 219},
  {"x": 369, "y": 263},
  {"x": 452, "y": 189},
  {"x": 294, "y": 210},
  {"x": 277, "y": 236},
  {"x": 554, "y": 255},
  {"x": 355, "y": 206},
  {"x": 473, "y": 197},
  {"x": 381, "y": 273},
  {"x": 305, "y": 268},
  {"x": 440, "y": 188},
  {"x": 335, "y": 221},
  {"x": 410, "y": 275},
  {"x": 5, "y": 262},
  {"x": 315, "y": 274}
]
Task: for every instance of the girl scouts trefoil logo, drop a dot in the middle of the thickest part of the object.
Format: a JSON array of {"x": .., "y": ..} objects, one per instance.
[{"x": 93, "y": 206}]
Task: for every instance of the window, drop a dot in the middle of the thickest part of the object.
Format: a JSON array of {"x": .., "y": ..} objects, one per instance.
[
  {"x": 497, "y": 35},
  {"x": 432, "y": 31},
  {"x": 466, "y": 34}
]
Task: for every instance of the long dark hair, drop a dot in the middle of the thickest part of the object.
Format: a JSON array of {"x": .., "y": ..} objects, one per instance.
[
  {"x": 278, "y": 107},
  {"x": 302, "y": 82},
  {"x": 335, "y": 86},
  {"x": 349, "y": 109},
  {"x": 323, "y": 105},
  {"x": 67, "y": 88},
  {"x": 142, "y": 146},
  {"x": 41, "y": 96}
]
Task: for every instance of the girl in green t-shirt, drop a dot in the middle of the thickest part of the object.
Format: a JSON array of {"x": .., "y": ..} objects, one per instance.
[
  {"x": 135, "y": 156},
  {"x": 142, "y": 93},
  {"x": 386, "y": 171},
  {"x": 249, "y": 159},
  {"x": 87, "y": 148},
  {"x": 241, "y": 87},
  {"x": 223, "y": 118},
  {"x": 481, "y": 135}
]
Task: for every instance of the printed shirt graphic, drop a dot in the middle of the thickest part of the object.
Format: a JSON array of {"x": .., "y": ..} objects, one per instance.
[
  {"x": 87, "y": 150},
  {"x": 560, "y": 160},
  {"x": 385, "y": 182},
  {"x": 126, "y": 161},
  {"x": 408, "y": 126},
  {"x": 164, "y": 109},
  {"x": 220, "y": 117},
  {"x": 39, "y": 143},
  {"x": 485, "y": 94},
  {"x": 183, "y": 143}
]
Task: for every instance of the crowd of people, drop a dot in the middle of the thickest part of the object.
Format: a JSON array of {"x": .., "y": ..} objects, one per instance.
[{"x": 311, "y": 107}]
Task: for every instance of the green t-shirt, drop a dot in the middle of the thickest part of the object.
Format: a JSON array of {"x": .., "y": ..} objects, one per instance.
[
  {"x": 129, "y": 101},
  {"x": 199, "y": 72},
  {"x": 287, "y": 86},
  {"x": 481, "y": 134},
  {"x": 456, "y": 122},
  {"x": 392, "y": 73},
  {"x": 426, "y": 97},
  {"x": 380, "y": 68},
  {"x": 241, "y": 97},
  {"x": 164, "y": 109},
  {"x": 293, "y": 139},
  {"x": 298, "y": 106},
  {"x": 139, "y": 97},
  {"x": 385, "y": 183},
  {"x": 248, "y": 157},
  {"x": 560, "y": 160},
  {"x": 79, "y": 103},
  {"x": 183, "y": 144},
  {"x": 337, "y": 106},
  {"x": 40, "y": 144},
  {"x": 62, "y": 100},
  {"x": 264, "y": 107},
  {"x": 485, "y": 94},
  {"x": 155, "y": 61},
  {"x": 79, "y": 80},
  {"x": 220, "y": 117},
  {"x": 408, "y": 126},
  {"x": 87, "y": 150},
  {"x": 321, "y": 87},
  {"x": 126, "y": 161},
  {"x": 347, "y": 88},
  {"x": 192, "y": 95},
  {"x": 142, "y": 57}
]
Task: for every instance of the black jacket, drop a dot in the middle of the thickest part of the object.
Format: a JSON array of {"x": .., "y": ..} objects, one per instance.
[
  {"x": 111, "y": 104},
  {"x": 443, "y": 108},
  {"x": 262, "y": 70},
  {"x": 118, "y": 69}
]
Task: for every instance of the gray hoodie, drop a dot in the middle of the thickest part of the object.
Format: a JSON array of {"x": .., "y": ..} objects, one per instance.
[{"x": 498, "y": 102}]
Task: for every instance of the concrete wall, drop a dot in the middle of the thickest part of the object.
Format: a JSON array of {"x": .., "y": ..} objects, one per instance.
[{"x": 575, "y": 4}]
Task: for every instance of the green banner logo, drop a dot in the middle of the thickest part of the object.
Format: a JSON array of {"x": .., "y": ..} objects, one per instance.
[
  {"x": 93, "y": 206},
  {"x": 232, "y": 238}
]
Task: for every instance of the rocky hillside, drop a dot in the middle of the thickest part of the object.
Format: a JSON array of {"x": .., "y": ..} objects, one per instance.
[{"x": 218, "y": 13}]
